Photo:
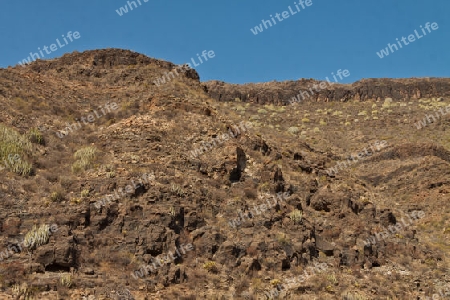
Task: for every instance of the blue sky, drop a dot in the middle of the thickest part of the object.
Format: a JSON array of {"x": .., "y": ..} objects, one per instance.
[{"x": 313, "y": 43}]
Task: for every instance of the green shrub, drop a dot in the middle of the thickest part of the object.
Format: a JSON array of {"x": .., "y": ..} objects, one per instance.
[
  {"x": 240, "y": 108},
  {"x": 66, "y": 280},
  {"x": 353, "y": 296},
  {"x": 293, "y": 130},
  {"x": 332, "y": 279},
  {"x": 35, "y": 136},
  {"x": 85, "y": 193},
  {"x": 12, "y": 141},
  {"x": 275, "y": 282},
  {"x": 37, "y": 236},
  {"x": 270, "y": 107},
  {"x": 296, "y": 215},
  {"x": 20, "y": 167},
  {"x": 387, "y": 103},
  {"x": 210, "y": 266},
  {"x": 262, "y": 111},
  {"x": 109, "y": 170},
  {"x": 84, "y": 158},
  {"x": 22, "y": 291},
  {"x": 177, "y": 190},
  {"x": 283, "y": 239},
  {"x": 57, "y": 196},
  {"x": 13, "y": 144}
]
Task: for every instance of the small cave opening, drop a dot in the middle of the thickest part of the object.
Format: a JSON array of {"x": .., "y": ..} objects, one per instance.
[
  {"x": 297, "y": 156},
  {"x": 56, "y": 268},
  {"x": 285, "y": 264},
  {"x": 235, "y": 175},
  {"x": 178, "y": 260},
  {"x": 255, "y": 266},
  {"x": 139, "y": 190},
  {"x": 153, "y": 252},
  {"x": 236, "y": 252}
]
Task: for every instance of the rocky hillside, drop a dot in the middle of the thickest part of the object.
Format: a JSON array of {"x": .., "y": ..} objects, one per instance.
[
  {"x": 280, "y": 93},
  {"x": 115, "y": 187}
]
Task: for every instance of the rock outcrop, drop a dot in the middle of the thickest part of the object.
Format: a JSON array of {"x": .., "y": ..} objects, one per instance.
[{"x": 280, "y": 93}]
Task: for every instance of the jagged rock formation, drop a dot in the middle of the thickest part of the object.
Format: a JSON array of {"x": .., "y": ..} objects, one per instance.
[{"x": 367, "y": 89}]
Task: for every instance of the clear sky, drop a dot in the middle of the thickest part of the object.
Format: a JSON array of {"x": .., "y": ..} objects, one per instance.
[{"x": 319, "y": 39}]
